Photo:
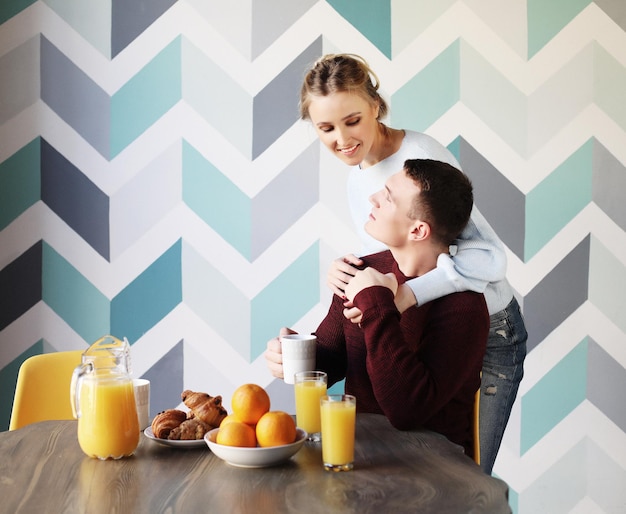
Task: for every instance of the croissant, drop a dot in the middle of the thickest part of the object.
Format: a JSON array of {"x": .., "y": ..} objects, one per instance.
[
  {"x": 166, "y": 421},
  {"x": 205, "y": 407},
  {"x": 192, "y": 428}
]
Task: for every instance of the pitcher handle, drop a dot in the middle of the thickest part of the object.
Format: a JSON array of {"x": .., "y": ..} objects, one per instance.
[{"x": 77, "y": 379}]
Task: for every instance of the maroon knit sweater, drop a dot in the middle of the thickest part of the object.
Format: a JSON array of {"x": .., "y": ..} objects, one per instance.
[{"x": 421, "y": 369}]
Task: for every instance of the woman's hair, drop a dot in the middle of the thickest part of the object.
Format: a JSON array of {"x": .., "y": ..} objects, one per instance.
[
  {"x": 445, "y": 200},
  {"x": 341, "y": 73}
]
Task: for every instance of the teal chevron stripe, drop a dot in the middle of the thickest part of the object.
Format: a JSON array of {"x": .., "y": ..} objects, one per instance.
[
  {"x": 215, "y": 96},
  {"x": 559, "y": 392},
  {"x": 68, "y": 293},
  {"x": 207, "y": 292},
  {"x": 219, "y": 202},
  {"x": 20, "y": 182},
  {"x": 90, "y": 18},
  {"x": 148, "y": 298},
  {"x": 8, "y": 380},
  {"x": 9, "y": 8},
  {"x": 146, "y": 97},
  {"x": 557, "y": 199},
  {"x": 546, "y": 19},
  {"x": 607, "y": 283},
  {"x": 609, "y": 85},
  {"x": 370, "y": 17},
  {"x": 289, "y": 297},
  {"x": 415, "y": 106}
]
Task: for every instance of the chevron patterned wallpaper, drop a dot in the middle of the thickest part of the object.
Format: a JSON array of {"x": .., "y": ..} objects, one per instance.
[{"x": 155, "y": 183}]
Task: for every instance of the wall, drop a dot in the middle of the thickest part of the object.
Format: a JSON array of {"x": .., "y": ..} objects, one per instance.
[{"x": 155, "y": 183}]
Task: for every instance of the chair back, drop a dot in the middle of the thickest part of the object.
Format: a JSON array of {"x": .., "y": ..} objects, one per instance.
[
  {"x": 42, "y": 391},
  {"x": 477, "y": 427}
]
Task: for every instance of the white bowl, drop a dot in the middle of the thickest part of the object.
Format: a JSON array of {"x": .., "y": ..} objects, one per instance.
[{"x": 255, "y": 457}]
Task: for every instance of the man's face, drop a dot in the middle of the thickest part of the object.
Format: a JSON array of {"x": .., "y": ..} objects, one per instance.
[
  {"x": 389, "y": 220},
  {"x": 346, "y": 124}
]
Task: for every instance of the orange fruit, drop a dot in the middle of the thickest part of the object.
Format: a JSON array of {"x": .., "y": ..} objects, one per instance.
[
  {"x": 236, "y": 433},
  {"x": 228, "y": 419},
  {"x": 249, "y": 403},
  {"x": 275, "y": 428}
]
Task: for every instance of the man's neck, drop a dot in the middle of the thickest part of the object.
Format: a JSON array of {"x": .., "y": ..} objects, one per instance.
[{"x": 417, "y": 260}]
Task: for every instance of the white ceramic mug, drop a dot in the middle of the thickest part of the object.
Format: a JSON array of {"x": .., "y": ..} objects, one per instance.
[
  {"x": 142, "y": 400},
  {"x": 298, "y": 354}
]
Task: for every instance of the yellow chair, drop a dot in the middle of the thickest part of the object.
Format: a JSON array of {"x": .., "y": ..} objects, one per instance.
[
  {"x": 477, "y": 427},
  {"x": 42, "y": 391}
]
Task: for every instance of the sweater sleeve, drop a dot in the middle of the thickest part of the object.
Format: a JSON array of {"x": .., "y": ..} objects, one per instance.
[
  {"x": 411, "y": 386},
  {"x": 479, "y": 260}
]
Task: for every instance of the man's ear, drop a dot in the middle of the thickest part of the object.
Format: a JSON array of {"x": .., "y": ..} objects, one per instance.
[{"x": 420, "y": 230}]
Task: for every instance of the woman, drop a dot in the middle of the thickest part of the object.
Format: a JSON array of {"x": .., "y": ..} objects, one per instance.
[{"x": 339, "y": 96}]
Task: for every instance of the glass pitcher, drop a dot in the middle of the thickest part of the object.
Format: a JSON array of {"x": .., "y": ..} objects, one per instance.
[{"x": 103, "y": 400}]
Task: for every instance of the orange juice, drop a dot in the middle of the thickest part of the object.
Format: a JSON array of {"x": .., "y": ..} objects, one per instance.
[
  {"x": 338, "y": 415},
  {"x": 308, "y": 394},
  {"x": 108, "y": 426}
]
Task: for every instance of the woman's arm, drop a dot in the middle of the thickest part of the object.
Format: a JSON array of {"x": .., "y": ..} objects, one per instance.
[{"x": 479, "y": 260}]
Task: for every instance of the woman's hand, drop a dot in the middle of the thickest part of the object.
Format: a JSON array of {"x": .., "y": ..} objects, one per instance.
[
  {"x": 274, "y": 353},
  {"x": 341, "y": 272}
]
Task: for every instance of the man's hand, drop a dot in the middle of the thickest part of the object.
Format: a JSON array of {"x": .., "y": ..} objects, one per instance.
[
  {"x": 367, "y": 278},
  {"x": 274, "y": 353},
  {"x": 403, "y": 299},
  {"x": 341, "y": 272}
]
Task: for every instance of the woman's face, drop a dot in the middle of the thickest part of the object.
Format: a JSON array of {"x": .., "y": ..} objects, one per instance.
[{"x": 346, "y": 124}]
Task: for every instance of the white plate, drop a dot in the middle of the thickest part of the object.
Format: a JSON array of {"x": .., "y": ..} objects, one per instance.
[
  {"x": 194, "y": 443},
  {"x": 255, "y": 457}
]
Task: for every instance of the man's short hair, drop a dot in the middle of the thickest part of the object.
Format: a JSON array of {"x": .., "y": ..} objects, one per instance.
[{"x": 445, "y": 200}]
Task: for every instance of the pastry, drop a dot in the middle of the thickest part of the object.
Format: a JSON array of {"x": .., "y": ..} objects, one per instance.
[
  {"x": 166, "y": 421},
  {"x": 190, "y": 429},
  {"x": 205, "y": 407}
]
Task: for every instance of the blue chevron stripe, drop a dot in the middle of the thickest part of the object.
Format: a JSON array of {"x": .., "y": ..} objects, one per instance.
[
  {"x": 285, "y": 300},
  {"x": 148, "y": 298},
  {"x": 146, "y": 97}
]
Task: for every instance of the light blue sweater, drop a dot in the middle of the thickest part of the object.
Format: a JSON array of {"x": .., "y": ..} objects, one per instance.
[{"x": 477, "y": 264}]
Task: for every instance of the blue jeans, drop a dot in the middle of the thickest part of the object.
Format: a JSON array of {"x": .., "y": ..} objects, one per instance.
[{"x": 503, "y": 369}]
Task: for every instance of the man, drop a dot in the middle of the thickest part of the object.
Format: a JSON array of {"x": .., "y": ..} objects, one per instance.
[{"x": 421, "y": 369}]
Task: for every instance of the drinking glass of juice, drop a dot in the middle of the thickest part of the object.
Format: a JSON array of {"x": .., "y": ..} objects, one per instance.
[
  {"x": 338, "y": 415},
  {"x": 309, "y": 387}
]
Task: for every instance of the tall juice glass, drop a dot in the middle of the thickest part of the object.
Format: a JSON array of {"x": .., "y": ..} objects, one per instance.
[
  {"x": 309, "y": 387},
  {"x": 338, "y": 413}
]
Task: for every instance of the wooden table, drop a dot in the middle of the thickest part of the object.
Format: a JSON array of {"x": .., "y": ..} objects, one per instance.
[{"x": 42, "y": 469}]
